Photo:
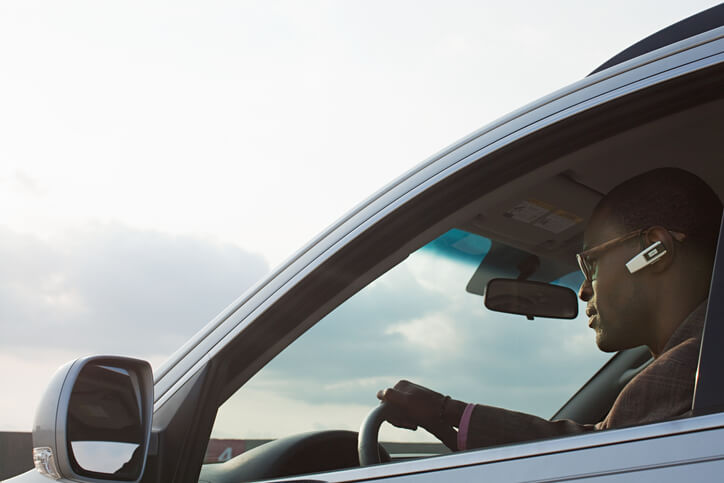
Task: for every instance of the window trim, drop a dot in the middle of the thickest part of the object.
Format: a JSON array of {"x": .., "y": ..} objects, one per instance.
[{"x": 709, "y": 392}]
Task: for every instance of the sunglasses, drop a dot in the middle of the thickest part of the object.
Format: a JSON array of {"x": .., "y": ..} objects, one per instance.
[{"x": 587, "y": 258}]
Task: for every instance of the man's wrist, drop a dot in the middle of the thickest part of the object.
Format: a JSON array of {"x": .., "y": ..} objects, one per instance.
[{"x": 453, "y": 412}]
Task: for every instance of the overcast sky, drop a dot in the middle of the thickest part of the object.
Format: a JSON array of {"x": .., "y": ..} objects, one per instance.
[{"x": 157, "y": 158}]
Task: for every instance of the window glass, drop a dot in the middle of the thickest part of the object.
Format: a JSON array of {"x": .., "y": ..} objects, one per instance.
[{"x": 417, "y": 322}]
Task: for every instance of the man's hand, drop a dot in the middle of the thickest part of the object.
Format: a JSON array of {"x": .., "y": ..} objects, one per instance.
[{"x": 416, "y": 405}]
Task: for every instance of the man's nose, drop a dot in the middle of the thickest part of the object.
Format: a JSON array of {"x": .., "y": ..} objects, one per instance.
[{"x": 585, "y": 292}]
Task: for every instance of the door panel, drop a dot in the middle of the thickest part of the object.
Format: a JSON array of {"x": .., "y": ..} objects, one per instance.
[{"x": 696, "y": 456}]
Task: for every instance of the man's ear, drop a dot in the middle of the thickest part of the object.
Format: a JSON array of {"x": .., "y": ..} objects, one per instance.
[{"x": 661, "y": 234}]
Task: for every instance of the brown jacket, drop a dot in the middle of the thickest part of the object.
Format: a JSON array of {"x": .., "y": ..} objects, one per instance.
[{"x": 661, "y": 391}]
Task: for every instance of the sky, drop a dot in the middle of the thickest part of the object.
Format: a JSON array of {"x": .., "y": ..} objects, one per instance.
[{"x": 158, "y": 158}]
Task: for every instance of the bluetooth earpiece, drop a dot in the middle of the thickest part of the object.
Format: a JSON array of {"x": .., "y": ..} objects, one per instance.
[{"x": 649, "y": 256}]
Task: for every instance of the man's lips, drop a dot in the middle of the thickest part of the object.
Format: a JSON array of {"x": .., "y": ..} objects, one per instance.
[{"x": 591, "y": 313}]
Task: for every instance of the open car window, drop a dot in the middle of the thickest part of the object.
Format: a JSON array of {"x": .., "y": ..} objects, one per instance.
[{"x": 424, "y": 320}]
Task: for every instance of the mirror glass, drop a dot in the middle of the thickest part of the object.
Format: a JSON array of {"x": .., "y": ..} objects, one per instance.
[
  {"x": 532, "y": 299},
  {"x": 104, "y": 429}
]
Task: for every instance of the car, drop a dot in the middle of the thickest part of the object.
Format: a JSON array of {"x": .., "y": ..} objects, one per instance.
[{"x": 397, "y": 284}]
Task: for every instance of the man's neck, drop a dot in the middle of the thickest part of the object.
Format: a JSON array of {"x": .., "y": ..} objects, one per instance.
[{"x": 670, "y": 316}]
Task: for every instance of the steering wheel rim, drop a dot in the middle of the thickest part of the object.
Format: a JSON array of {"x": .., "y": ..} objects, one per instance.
[{"x": 368, "y": 439}]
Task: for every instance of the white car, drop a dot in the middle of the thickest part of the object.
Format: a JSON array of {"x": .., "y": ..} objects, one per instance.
[{"x": 391, "y": 291}]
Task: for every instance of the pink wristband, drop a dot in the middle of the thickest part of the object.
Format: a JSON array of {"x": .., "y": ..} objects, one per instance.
[{"x": 463, "y": 427}]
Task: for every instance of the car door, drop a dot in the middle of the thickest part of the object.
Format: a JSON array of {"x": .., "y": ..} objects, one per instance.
[{"x": 662, "y": 92}]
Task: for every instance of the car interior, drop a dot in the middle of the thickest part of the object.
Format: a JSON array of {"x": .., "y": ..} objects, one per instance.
[
  {"x": 534, "y": 196},
  {"x": 687, "y": 139}
]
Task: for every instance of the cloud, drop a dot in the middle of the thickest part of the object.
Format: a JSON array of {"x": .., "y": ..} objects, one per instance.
[
  {"x": 105, "y": 289},
  {"x": 114, "y": 289},
  {"x": 418, "y": 331}
]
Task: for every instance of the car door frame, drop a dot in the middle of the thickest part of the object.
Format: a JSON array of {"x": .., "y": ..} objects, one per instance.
[{"x": 204, "y": 372}]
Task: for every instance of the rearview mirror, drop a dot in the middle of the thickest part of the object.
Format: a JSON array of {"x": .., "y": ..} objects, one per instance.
[
  {"x": 94, "y": 420},
  {"x": 532, "y": 299}
]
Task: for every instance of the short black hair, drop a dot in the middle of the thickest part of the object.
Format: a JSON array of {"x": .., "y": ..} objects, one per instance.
[{"x": 670, "y": 197}]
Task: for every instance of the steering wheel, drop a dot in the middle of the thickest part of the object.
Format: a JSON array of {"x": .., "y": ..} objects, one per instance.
[{"x": 367, "y": 441}]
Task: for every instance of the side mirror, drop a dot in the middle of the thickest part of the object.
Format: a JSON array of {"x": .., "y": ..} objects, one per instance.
[
  {"x": 94, "y": 420},
  {"x": 532, "y": 299}
]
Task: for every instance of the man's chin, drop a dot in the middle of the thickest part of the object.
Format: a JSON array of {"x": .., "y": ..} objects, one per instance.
[{"x": 605, "y": 344}]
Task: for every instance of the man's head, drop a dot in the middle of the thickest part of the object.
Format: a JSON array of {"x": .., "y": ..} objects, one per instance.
[{"x": 666, "y": 205}]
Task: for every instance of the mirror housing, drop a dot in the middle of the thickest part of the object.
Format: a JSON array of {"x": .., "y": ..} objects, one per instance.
[
  {"x": 93, "y": 423},
  {"x": 532, "y": 299}
]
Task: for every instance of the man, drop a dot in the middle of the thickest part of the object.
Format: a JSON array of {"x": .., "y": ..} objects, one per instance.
[{"x": 670, "y": 219}]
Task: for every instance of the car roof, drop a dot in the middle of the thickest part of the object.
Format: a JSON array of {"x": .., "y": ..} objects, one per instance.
[{"x": 708, "y": 19}]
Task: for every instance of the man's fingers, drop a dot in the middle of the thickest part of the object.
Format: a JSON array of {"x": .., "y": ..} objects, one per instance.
[
  {"x": 403, "y": 383},
  {"x": 402, "y": 423},
  {"x": 399, "y": 415},
  {"x": 393, "y": 396},
  {"x": 412, "y": 405}
]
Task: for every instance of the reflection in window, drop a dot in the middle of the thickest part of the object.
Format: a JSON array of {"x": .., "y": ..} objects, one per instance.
[{"x": 102, "y": 456}]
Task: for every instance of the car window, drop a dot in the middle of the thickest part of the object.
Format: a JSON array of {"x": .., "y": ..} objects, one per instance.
[{"x": 424, "y": 320}]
